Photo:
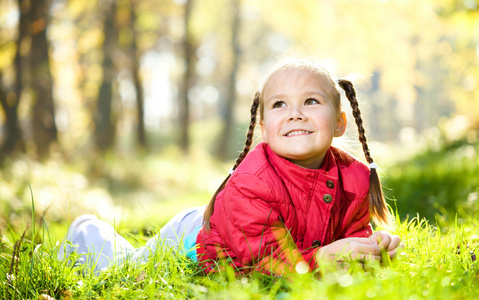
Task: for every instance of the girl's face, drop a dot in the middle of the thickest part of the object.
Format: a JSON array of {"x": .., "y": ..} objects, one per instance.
[{"x": 299, "y": 117}]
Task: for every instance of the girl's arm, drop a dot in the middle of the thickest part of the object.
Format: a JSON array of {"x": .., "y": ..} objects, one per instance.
[{"x": 250, "y": 224}]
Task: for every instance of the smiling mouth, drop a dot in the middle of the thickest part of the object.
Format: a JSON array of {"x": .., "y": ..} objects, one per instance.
[{"x": 298, "y": 132}]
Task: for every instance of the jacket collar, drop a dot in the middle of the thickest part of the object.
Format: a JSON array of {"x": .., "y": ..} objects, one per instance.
[{"x": 303, "y": 179}]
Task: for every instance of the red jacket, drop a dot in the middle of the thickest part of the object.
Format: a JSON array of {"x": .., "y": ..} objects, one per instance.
[{"x": 273, "y": 214}]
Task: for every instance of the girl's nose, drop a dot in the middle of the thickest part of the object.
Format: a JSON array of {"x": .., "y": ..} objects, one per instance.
[{"x": 296, "y": 115}]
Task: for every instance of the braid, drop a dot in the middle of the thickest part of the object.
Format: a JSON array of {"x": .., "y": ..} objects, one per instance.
[
  {"x": 249, "y": 135},
  {"x": 377, "y": 202},
  {"x": 351, "y": 95},
  {"x": 249, "y": 140}
]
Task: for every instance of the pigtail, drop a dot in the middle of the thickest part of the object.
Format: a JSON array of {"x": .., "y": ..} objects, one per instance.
[
  {"x": 249, "y": 140},
  {"x": 377, "y": 203}
]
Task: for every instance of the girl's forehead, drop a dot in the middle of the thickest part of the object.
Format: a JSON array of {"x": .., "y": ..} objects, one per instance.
[{"x": 281, "y": 78}]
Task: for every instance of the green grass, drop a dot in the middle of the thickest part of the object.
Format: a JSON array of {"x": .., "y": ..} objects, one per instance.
[{"x": 437, "y": 263}]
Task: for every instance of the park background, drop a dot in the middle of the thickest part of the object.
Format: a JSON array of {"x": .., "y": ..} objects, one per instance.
[{"x": 134, "y": 110}]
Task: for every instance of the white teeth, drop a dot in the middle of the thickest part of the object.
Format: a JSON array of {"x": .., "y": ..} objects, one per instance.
[{"x": 297, "y": 132}]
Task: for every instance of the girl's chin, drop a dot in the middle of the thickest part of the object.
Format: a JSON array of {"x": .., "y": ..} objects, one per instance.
[
  {"x": 301, "y": 154},
  {"x": 308, "y": 163}
]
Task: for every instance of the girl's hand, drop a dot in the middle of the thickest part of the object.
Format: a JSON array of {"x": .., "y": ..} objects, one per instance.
[
  {"x": 350, "y": 248},
  {"x": 391, "y": 243}
]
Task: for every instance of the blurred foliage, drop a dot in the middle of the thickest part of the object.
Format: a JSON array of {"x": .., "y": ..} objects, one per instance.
[
  {"x": 438, "y": 182},
  {"x": 422, "y": 56},
  {"x": 141, "y": 192}
]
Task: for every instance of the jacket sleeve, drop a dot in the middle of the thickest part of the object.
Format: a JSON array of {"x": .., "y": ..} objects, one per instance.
[{"x": 253, "y": 229}]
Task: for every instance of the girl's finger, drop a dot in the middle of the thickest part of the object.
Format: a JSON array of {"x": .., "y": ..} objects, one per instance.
[
  {"x": 356, "y": 249},
  {"x": 394, "y": 243},
  {"x": 366, "y": 241},
  {"x": 385, "y": 241},
  {"x": 369, "y": 249}
]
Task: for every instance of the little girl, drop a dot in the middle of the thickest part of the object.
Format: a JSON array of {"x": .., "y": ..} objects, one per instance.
[{"x": 294, "y": 199}]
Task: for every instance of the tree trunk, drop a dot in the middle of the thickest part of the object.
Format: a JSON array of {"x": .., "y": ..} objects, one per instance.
[
  {"x": 224, "y": 144},
  {"x": 44, "y": 128},
  {"x": 189, "y": 52},
  {"x": 13, "y": 138},
  {"x": 141, "y": 134},
  {"x": 105, "y": 120}
]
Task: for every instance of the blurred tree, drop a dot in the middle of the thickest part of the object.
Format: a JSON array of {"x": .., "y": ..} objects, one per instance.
[
  {"x": 13, "y": 140},
  {"x": 189, "y": 49},
  {"x": 419, "y": 77},
  {"x": 87, "y": 31},
  {"x": 460, "y": 46},
  {"x": 43, "y": 109},
  {"x": 231, "y": 98},
  {"x": 428, "y": 65},
  {"x": 105, "y": 119},
  {"x": 135, "y": 70},
  {"x": 10, "y": 100}
]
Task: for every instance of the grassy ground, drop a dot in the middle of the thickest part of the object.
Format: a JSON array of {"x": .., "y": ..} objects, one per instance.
[
  {"x": 437, "y": 263},
  {"x": 140, "y": 195}
]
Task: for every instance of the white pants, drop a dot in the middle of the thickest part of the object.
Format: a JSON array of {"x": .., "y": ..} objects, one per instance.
[{"x": 100, "y": 246}]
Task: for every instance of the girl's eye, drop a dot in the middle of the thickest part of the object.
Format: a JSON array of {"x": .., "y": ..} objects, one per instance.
[
  {"x": 311, "y": 101},
  {"x": 279, "y": 104}
]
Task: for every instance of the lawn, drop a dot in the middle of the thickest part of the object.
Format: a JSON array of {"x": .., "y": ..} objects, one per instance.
[{"x": 438, "y": 262}]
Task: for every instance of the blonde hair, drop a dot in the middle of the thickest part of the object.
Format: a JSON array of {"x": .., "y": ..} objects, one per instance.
[{"x": 311, "y": 67}]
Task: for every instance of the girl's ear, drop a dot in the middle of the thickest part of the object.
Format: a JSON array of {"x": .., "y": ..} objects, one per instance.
[
  {"x": 264, "y": 136},
  {"x": 341, "y": 124}
]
